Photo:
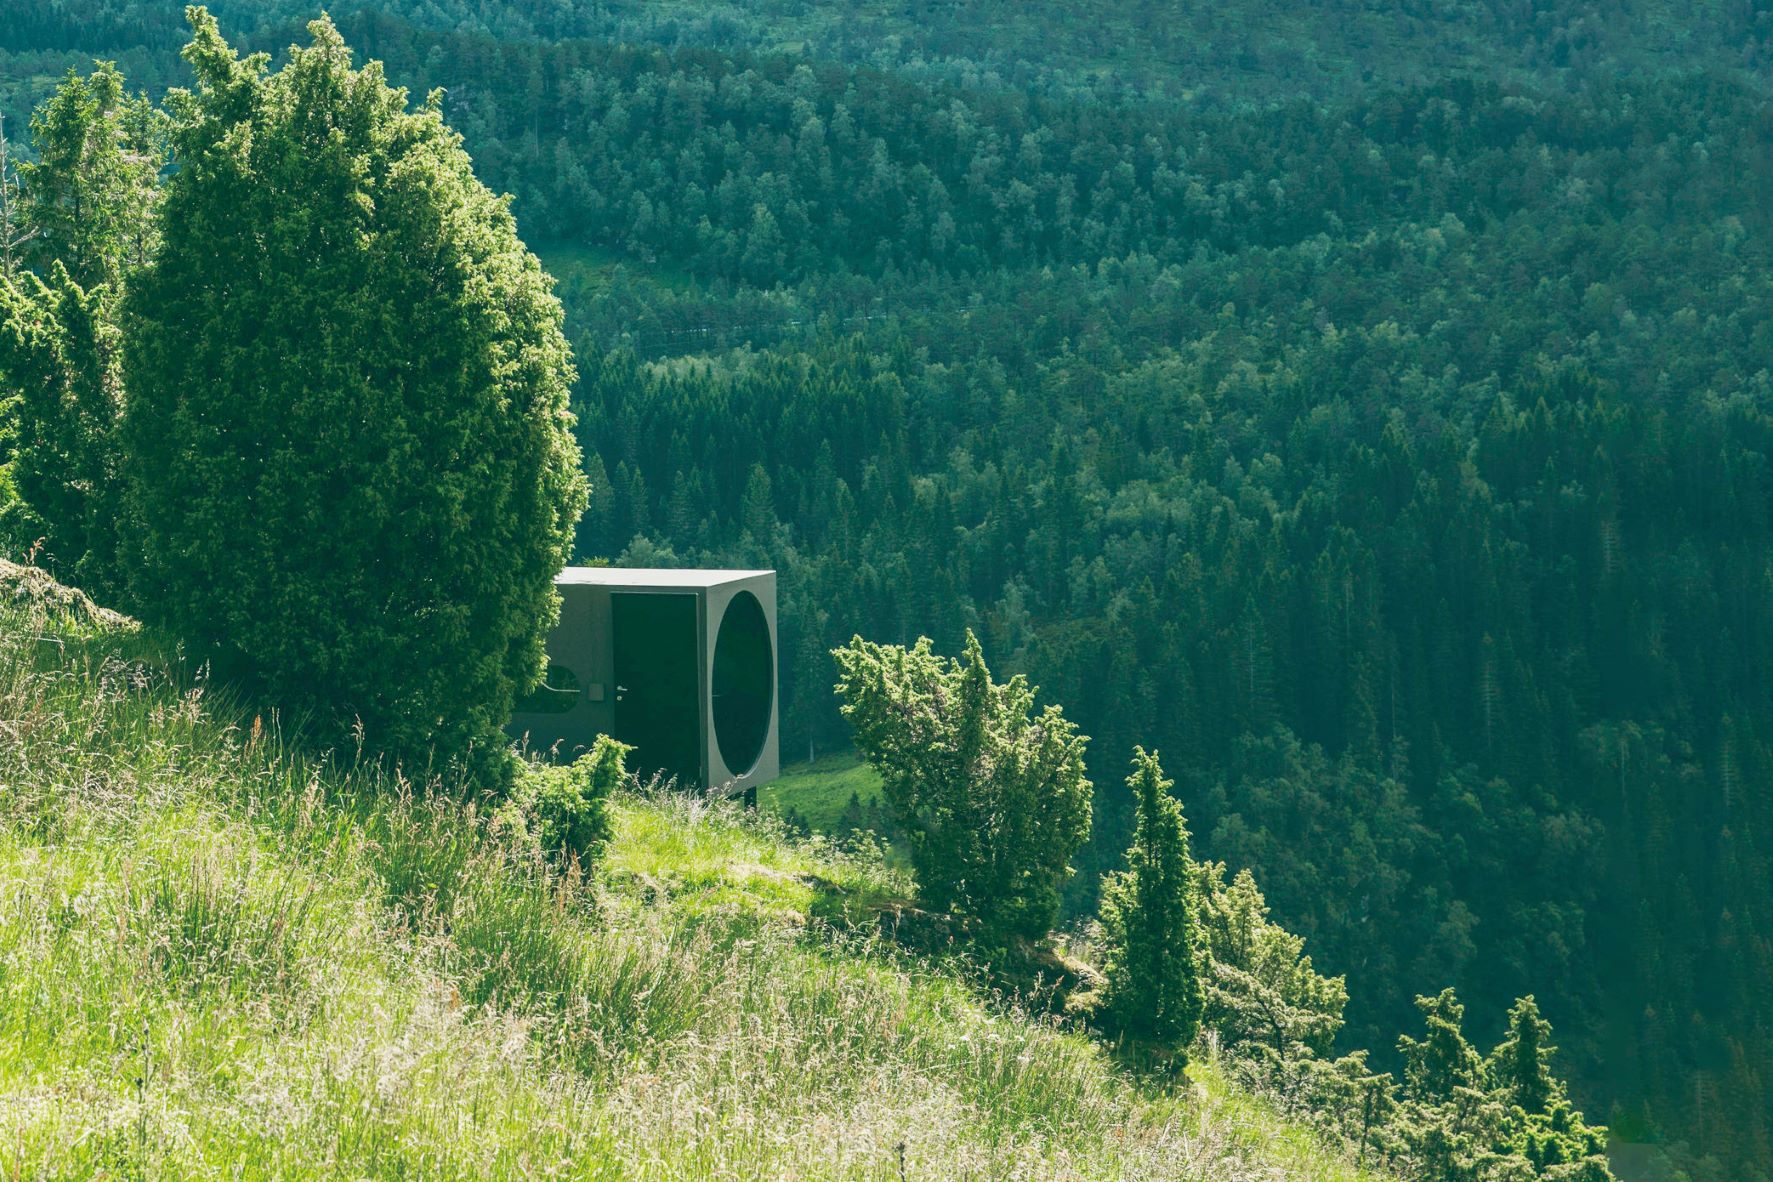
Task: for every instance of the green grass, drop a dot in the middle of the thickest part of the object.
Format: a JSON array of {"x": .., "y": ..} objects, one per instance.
[
  {"x": 821, "y": 790},
  {"x": 224, "y": 956}
]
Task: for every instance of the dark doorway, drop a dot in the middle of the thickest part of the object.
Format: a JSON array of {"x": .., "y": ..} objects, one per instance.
[
  {"x": 744, "y": 683},
  {"x": 658, "y": 707}
]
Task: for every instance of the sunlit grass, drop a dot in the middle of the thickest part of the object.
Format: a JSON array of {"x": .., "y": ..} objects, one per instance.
[
  {"x": 711, "y": 857},
  {"x": 223, "y": 955},
  {"x": 818, "y": 792}
]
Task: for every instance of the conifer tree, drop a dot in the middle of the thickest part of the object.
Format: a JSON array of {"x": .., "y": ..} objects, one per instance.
[
  {"x": 58, "y": 359},
  {"x": 992, "y": 797},
  {"x": 1520, "y": 1064},
  {"x": 89, "y": 197},
  {"x": 1442, "y": 1061},
  {"x": 1262, "y": 992},
  {"x": 347, "y": 432},
  {"x": 1149, "y": 917}
]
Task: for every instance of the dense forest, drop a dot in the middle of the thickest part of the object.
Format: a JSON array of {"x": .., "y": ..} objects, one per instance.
[{"x": 1369, "y": 406}]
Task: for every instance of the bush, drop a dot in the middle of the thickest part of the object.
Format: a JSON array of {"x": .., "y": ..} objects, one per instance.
[
  {"x": 561, "y": 813},
  {"x": 347, "y": 433},
  {"x": 57, "y": 357},
  {"x": 992, "y": 798},
  {"x": 1262, "y": 993}
]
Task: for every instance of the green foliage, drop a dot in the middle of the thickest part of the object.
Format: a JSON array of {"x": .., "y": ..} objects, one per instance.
[
  {"x": 1317, "y": 440},
  {"x": 58, "y": 369},
  {"x": 1542, "y": 1125},
  {"x": 562, "y": 813},
  {"x": 226, "y": 957},
  {"x": 347, "y": 433},
  {"x": 13, "y": 236},
  {"x": 1262, "y": 994},
  {"x": 82, "y": 213},
  {"x": 12, "y": 511},
  {"x": 89, "y": 197},
  {"x": 1520, "y": 1064},
  {"x": 1153, "y": 946},
  {"x": 992, "y": 798},
  {"x": 1440, "y": 1063},
  {"x": 1391, "y": 450},
  {"x": 1505, "y": 1117}
]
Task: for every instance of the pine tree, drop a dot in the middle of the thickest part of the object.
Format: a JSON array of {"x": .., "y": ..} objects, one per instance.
[
  {"x": 1441, "y": 1062},
  {"x": 1541, "y": 1126},
  {"x": 596, "y": 529},
  {"x": 347, "y": 432},
  {"x": 1149, "y": 918},
  {"x": 757, "y": 511}
]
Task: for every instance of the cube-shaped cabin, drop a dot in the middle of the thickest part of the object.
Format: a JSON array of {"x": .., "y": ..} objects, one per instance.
[{"x": 679, "y": 664}]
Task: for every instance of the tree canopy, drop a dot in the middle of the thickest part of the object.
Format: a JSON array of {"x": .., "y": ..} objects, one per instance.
[{"x": 89, "y": 196}]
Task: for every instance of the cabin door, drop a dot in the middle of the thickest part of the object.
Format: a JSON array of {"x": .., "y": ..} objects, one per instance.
[{"x": 658, "y": 684}]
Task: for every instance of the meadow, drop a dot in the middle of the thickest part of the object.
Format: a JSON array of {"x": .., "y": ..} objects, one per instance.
[
  {"x": 224, "y": 954},
  {"x": 819, "y": 791}
]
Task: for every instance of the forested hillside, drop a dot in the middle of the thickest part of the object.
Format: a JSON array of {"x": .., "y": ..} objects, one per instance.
[
  {"x": 1368, "y": 405},
  {"x": 1205, "y": 54}
]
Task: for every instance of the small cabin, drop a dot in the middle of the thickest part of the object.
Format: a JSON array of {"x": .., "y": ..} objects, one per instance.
[{"x": 678, "y": 664}]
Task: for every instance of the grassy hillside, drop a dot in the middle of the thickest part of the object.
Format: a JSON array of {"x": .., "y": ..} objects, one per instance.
[
  {"x": 224, "y": 957},
  {"x": 818, "y": 792}
]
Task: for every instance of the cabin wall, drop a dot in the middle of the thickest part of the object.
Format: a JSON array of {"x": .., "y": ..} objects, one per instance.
[
  {"x": 583, "y": 642},
  {"x": 579, "y": 641}
]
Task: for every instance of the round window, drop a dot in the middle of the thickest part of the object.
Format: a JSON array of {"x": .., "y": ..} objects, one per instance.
[
  {"x": 558, "y": 693},
  {"x": 744, "y": 683}
]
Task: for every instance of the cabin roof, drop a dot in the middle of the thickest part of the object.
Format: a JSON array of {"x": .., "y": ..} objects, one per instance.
[{"x": 618, "y": 576}]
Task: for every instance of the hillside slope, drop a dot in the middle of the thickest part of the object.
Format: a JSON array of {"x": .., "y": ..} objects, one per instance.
[{"x": 220, "y": 956}]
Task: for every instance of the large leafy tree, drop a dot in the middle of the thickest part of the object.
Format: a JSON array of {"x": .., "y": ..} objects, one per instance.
[
  {"x": 347, "y": 432},
  {"x": 992, "y": 796},
  {"x": 1149, "y": 916}
]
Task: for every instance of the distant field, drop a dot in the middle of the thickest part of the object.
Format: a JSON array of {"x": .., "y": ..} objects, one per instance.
[
  {"x": 575, "y": 263},
  {"x": 819, "y": 791}
]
